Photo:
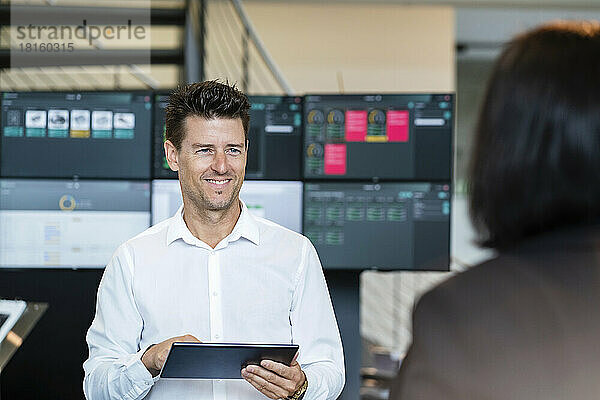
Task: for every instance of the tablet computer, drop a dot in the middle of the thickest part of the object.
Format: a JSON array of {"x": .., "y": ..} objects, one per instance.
[{"x": 191, "y": 360}]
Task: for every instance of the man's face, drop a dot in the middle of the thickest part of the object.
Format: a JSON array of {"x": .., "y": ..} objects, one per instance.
[{"x": 211, "y": 162}]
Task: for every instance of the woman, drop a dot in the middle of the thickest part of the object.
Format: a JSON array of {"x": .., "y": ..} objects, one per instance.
[{"x": 525, "y": 325}]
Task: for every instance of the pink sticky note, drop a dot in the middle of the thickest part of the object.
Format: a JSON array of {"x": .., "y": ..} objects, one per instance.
[
  {"x": 397, "y": 126},
  {"x": 356, "y": 125},
  {"x": 335, "y": 159}
]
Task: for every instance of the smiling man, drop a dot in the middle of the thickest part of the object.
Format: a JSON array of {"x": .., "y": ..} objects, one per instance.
[{"x": 212, "y": 273}]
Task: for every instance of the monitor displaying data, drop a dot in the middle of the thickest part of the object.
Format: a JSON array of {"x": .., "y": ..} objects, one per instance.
[
  {"x": 389, "y": 136},
  {"x": 384, "y": 226},
  {"x": 275, "y": 138},
  {"x": 66, "y": 223},
  {"x": 275, "y": 150},
  {"x": 160, "y": 168},
  {"x": 76, "y": 134},
  {"x": 278, "y": 201}
]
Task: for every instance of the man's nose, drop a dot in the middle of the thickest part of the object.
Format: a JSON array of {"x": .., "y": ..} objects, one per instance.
[{"x": 219, "y": 164}]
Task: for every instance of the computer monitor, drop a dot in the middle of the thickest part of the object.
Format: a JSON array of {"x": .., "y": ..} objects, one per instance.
[
  {"x": 278, "y": 201},
  {"x": 160, "y": 168},
  {"x": 389, "y": 136},
  {"x": 275, "y": 149},
  {"x": 76, "y": 134},
  {"x": 166, "y": 199},
  {"x": 275, "y": 138},
  {"x": 385, "y": 226},
  {"x": 66, "y": 223}
]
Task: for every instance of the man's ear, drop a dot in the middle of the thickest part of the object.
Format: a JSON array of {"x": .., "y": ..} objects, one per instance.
[
  {"x": 172, "y": 155},
  {"x": 246, "y": 158}
]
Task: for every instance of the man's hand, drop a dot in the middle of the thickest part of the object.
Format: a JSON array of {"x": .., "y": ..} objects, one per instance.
[
  {"x": 155, "y": 356},
  {"x": 275, "y": 380}
]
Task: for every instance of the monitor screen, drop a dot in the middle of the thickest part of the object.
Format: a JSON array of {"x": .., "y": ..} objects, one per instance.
[
  {"x": 383, "y": 226},
  {"x": 160, "y": 168},
  {"x": 76, "y": 134},
  {"x": 278, "y": 201},
  {"x": 65, "y": 223},
  {"x": 275, "y": 138},
  {"x": 275, "y": 148},
  {"x": 166, "y": 199},
  {"x": 390, "y": 136}
]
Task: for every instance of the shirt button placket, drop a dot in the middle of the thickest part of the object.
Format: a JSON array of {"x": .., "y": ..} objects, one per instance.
[{"x": 216, "y": 317}]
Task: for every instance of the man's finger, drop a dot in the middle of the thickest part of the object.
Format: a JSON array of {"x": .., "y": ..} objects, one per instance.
[
  {"x": 271, "y": 377},
  {"x": 279, "y": 369},
  {"x": 266, "y": 388}
]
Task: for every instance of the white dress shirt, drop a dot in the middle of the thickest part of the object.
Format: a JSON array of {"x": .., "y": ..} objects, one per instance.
[{"x": 262, "y": 283}]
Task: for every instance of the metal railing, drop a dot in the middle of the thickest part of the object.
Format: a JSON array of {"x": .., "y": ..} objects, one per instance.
[{"x": 235, "y": 52}]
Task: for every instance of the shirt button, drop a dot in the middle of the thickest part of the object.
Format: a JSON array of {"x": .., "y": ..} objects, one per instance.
[
  {"x": 215, "y": 294},
  {"x": 217, "y": 336}
]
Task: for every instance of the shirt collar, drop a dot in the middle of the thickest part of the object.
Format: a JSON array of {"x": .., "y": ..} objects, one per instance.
[{"x": 245, "y": 227}]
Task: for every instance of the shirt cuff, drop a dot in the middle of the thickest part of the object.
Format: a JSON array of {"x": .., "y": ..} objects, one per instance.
[
  {"x": 137, "y": 372},
  {"x": 313, "y": 385}
]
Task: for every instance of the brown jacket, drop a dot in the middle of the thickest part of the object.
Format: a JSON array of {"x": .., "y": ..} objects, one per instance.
[{"x": 525, "y": 325}]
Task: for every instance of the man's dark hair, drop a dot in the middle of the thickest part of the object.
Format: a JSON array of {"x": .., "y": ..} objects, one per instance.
[
  {"x": 208, "y": 100},
  {"x": 536, "y": 158}
]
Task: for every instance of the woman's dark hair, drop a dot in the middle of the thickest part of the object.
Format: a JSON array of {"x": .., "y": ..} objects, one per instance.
[
  {"x": 208, "y": 100},
  {"x": 536, "y": 158}
]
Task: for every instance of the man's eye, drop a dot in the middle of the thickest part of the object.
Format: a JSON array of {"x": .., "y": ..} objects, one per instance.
[
  {"x": 234, "y": 151},
  {"x": 203, "y": 151}
]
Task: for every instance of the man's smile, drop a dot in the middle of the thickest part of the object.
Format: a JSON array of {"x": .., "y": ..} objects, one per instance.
[{"x": 218, "y": 182}]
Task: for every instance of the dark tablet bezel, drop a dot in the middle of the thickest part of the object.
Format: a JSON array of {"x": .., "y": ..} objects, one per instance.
[{"x": 283, "y": 353}]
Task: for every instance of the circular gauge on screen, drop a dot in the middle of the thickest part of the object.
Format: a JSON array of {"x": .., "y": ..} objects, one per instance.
[
  {"x": 315, "y": 117},
  {"x": 377, "y": 117},
  {"x": 314, "y": 150},
  {"x": 67, "y": 203},
  {"x": 335, "y": 117}
]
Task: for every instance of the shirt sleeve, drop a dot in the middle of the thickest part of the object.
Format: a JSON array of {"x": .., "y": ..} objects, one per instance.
[
  {"x": 315, "y": 330},
  {"x": 114, "y": 368}
]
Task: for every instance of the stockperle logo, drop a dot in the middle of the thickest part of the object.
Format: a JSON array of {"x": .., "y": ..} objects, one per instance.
[{"x": 83, "y": 32}]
